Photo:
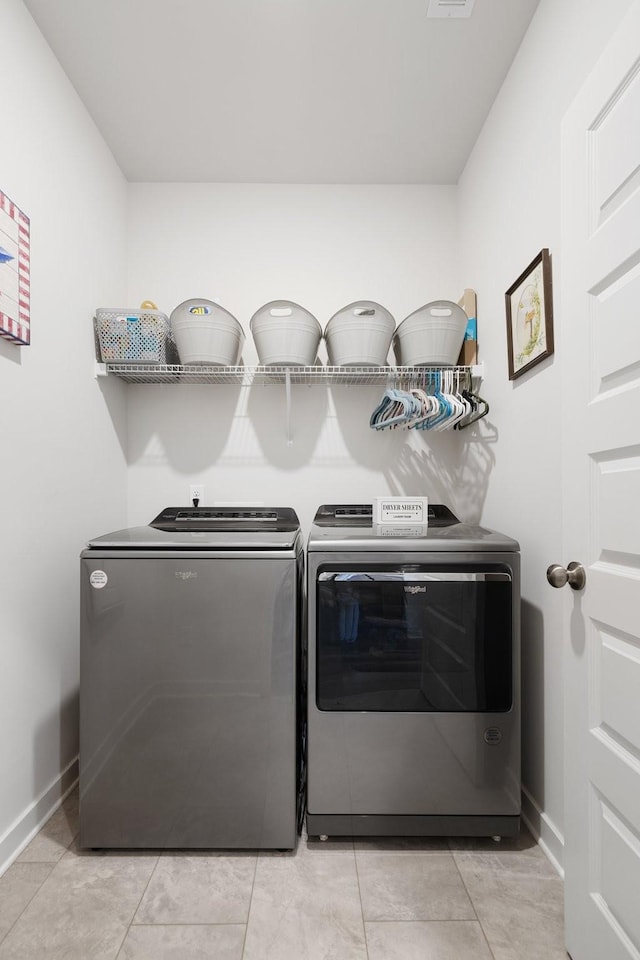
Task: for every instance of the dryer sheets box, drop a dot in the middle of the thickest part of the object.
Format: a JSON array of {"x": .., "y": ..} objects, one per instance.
[{"x": 400, "y": 511}]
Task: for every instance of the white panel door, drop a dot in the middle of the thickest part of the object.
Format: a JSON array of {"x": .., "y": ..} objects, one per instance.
[{"x": 600, "y": 337}]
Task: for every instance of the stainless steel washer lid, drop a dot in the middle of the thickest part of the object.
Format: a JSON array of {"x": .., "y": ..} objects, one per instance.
[
  {"x": 353, "y": 531},
  {"x": 209, "y": 528}
]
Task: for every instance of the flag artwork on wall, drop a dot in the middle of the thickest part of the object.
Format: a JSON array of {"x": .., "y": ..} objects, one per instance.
[{"x": 15, "y": 322}]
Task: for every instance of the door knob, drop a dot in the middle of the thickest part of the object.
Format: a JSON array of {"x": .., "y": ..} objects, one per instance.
[{"x": 574, "y": 574}]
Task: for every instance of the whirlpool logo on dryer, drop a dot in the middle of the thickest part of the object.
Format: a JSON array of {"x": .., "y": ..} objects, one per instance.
[
  {"x": 414, "y": 589},
  {"x": 186, "y": 575}
]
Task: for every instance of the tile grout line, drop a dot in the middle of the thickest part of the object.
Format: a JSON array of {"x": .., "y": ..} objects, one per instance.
[
  {"x": 480, "y": 924},
  {"x": 137, "y": 907},
  {"x": 364, "y": 925},
  {"x": 190, "y": 923},
  {"x": 54, "y": 864},
  {"x": 426, "y": 922},
  {"x": 31, "y": 898},
  {"x": 253, "y": 886}
]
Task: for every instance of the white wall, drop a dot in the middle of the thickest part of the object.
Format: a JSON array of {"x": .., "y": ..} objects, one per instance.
[
  {"x": 322, "y": 247},
  {"x": 509, "y": 203},
  {"x": 62, "y": 434}
]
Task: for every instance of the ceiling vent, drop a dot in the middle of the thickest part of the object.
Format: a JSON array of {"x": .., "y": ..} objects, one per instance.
[{"x": 450, "y": 8}]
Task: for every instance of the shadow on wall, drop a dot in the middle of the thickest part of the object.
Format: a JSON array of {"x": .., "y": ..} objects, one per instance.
[
  {"x": 57, "y": 735},
  {"x": 114, "y": 396},
  {"x": 368, "y": 448},
  {"x": 329, "y": 427},
  {"x": 11, "y": 351},
  {"x": 533, "y": 697},
  {"x": 451, "y": 468},
  {"x": 267, "y": 412},
  {"x": 193, "y": 427},
  {"x": 185, "y": 425}
]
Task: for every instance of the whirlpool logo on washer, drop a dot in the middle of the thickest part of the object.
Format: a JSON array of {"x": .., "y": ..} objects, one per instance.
[
  {"x": 186, "y": 575},
  {"x": 414, "y": 589}
]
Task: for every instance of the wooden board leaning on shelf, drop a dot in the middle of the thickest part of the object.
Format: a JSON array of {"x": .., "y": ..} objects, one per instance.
[{"x": 469, "y": 351}]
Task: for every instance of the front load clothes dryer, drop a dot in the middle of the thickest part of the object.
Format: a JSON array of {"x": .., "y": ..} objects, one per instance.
[
  {"x": 189, "y": 682},
  {"x": 414, "y": 677}
]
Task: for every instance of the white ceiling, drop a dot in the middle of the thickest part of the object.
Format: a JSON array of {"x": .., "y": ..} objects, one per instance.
[{"x": 285, "y": 91}]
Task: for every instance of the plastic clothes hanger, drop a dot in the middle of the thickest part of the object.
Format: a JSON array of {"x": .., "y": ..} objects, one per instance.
[
  {"x": 393, "y": 409},
  {"x": 478, "y": 403},
  {"x": 385, "y": 400},
  {"x": 443, "y": 406},
  {"x": 423, "y": 409},
  {"x": 412, "y": 407},
  {"x": 442, "y": 422},
  {"x": 457, "y": 408},
  {"x": 441, "y": 402}
]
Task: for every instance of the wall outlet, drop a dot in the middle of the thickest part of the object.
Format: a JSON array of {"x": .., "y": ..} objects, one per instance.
[{"x": 196, "y": 492}]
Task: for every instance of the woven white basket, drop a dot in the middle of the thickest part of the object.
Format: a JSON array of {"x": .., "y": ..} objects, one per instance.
[{"x": 132, "y": 336}]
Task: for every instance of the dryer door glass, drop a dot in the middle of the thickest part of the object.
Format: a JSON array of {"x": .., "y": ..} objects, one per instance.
[{"x": 417, "y": 640}]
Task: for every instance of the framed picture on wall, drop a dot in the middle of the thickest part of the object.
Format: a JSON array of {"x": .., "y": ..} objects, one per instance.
[
  {"x": 15, "y": 321},
  {"x": 529, "y": 306}
]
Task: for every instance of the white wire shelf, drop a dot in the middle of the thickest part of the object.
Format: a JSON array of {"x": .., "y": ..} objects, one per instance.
[{"x": 245, "y": 376}]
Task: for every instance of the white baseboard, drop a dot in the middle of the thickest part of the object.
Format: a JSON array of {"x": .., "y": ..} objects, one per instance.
[
  {"x": 24, "y": 829},
  {"x": 544, "y": 831}
]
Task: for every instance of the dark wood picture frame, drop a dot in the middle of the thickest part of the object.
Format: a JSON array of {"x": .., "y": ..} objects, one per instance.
[{"x": 529, "y": 307}]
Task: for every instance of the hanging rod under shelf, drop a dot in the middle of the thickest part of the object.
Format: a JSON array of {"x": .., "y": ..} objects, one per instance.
[{"x": 247, "y": 375}]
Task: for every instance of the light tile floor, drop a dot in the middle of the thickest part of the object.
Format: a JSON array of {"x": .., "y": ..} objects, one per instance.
[{"x": 385, "y": 899}]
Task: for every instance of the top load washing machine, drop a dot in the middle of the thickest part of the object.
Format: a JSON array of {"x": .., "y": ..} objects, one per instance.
[
  {"x": 414, "y": 677},
  {"x": 189, "y": 682}
]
